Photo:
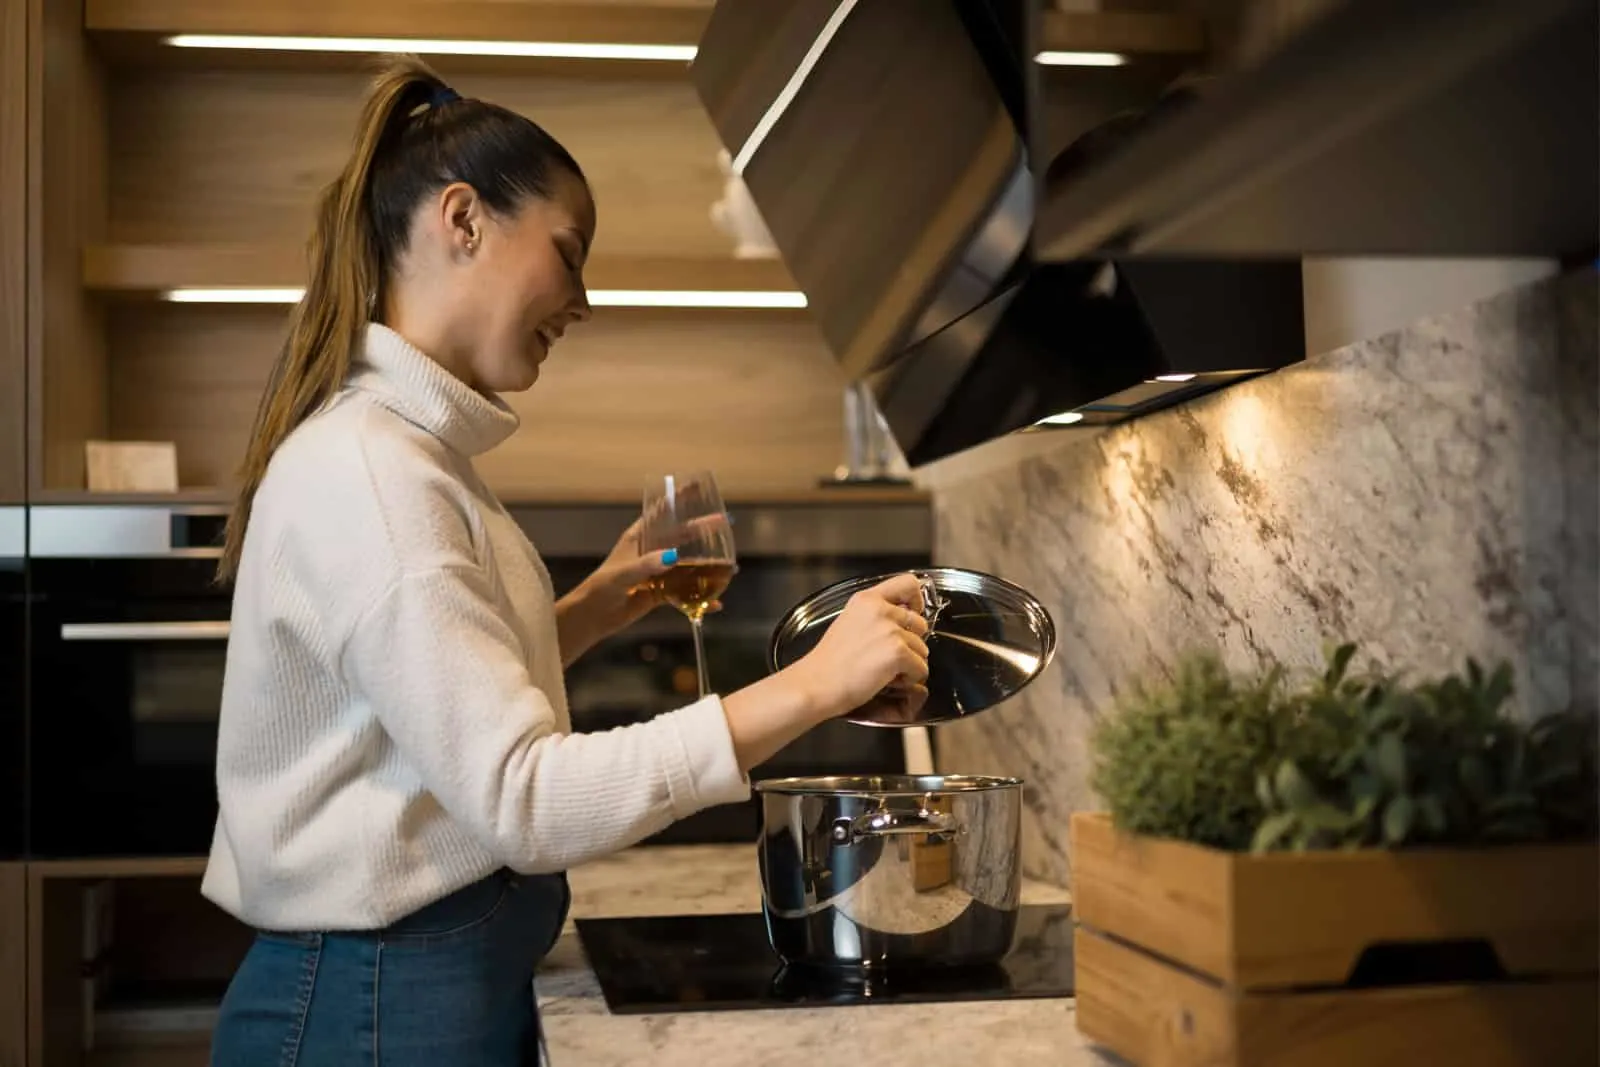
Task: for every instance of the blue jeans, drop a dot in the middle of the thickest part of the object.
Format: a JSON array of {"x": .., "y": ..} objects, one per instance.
[{"x": 450, "y": 984}]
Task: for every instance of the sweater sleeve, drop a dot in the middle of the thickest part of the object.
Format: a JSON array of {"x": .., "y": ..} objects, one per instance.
[{"x": 446, "y": 678}]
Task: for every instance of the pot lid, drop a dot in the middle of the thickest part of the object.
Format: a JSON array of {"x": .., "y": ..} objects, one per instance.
[{"x": 987, "y": 639}]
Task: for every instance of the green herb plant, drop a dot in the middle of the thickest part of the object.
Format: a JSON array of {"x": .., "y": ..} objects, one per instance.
[
  {"x": 1442, "y": 763},
  {"x": 1248, "y": 761},
  {"x": 1181, "y": 760}
]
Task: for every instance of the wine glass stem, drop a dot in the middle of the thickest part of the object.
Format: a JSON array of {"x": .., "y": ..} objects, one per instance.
[{"x": 700, "y": 656}]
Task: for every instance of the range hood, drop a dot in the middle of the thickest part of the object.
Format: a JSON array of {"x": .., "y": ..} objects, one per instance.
[
  {"x": 885, "y": 143},
  {"x": 1384, "y": 127},
  {"x": 979, "y": 278}
]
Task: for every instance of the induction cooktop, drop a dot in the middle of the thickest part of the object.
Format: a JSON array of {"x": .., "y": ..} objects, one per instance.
[{"x": 724, "y": 962}]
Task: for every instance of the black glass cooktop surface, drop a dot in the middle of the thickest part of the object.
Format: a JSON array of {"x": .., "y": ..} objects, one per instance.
[{"x": 724, "y": 962}]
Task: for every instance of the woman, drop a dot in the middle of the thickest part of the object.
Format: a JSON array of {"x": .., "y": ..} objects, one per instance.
[{"x": 399, "y": 790}]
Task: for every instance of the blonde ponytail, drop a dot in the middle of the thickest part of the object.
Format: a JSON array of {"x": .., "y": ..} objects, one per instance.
[{"x": 332, "y": 316}]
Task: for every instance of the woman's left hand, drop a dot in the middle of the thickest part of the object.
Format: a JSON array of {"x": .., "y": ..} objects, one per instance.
[{"x": 617, "y": 594}]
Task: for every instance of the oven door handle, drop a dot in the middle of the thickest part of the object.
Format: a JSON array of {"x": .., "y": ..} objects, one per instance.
[{"x": 200, "y": 630}]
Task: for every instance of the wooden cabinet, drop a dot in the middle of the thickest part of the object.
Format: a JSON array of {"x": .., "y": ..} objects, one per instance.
[
  {"x": 159, "y": 170},
  {"x": 13, "y": 249},
  {"x": 127, "y": 963},
  {"x": 13, "y": 965}
]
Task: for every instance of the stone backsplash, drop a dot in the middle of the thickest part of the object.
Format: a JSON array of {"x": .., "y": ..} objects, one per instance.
[{"x": 1431, "y": 493}]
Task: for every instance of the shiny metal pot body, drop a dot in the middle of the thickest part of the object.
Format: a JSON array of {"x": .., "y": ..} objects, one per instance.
[{"x": 884, "y": 870}]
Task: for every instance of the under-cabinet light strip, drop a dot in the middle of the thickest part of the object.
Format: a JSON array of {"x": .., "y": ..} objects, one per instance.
[
  {"x": 1080, "y": 59},
  {"x": 634, "y": 298},
  {"x": 671, "y": 53}
]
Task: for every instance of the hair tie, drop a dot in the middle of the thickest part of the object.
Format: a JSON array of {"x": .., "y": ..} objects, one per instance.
[{"x": 443, "y": 95}]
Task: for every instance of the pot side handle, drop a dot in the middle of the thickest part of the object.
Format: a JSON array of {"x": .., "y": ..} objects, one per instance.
[{"x": 889, "y": 823}]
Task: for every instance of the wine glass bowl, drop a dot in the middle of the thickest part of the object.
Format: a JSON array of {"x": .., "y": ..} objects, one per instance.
[
  {"x": 704, "y": 566},
  {"x": 684, "y": 513}
]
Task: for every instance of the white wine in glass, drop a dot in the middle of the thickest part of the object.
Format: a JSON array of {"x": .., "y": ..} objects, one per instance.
[{"x": 684, "y": 512}]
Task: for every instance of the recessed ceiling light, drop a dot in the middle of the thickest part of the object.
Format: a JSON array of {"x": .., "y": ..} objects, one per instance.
[
  {"x": 1080, "y": 59},
  {"x": 671, "y": 53},
  {"x": 634, "y": 298}
]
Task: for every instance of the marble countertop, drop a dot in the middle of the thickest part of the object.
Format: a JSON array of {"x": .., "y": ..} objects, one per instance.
[{"x": 706, "y": 879}]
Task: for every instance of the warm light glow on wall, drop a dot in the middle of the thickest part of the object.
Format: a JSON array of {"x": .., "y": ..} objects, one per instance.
[
  {"x": 671, "y": 53},
  {"x": 628, "y": 298}
]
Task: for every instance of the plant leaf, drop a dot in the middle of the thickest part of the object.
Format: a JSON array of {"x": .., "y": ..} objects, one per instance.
[
  {"x": 1431, "y": 811},
  {"x": 1391, "y": 762},
  {"x": 1264, "y": 792},
  {"x": 1397, "y": 819},
  {"x": 1293, "y": 786},
  {"x": 1338, "y": 663},
  {"x": 1273, "y": 830},
  {"x": 1323, "y": 816},
  {"x": 1348, "y": 760}
]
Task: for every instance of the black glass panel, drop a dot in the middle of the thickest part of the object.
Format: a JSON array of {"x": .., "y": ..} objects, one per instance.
[
  {"x": 725, "y": 962},
  {"x": 13, "y": 708},
  {"x": 124, "y": 719}
]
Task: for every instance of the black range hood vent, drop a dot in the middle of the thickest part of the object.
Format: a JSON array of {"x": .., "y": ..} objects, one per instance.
[{"x": 885, "y": 143}]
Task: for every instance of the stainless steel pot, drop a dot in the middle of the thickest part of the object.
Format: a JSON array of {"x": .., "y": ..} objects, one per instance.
[{"x": 882, "y": 871}]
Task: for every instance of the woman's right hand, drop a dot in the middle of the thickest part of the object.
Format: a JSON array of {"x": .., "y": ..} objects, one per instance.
[{"x": 875, "y": 643}]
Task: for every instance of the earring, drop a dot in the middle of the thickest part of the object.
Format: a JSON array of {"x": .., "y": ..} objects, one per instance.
[{"x": 472, "y": 240}]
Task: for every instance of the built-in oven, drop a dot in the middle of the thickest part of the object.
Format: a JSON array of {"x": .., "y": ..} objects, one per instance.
[
  {"x": 13, "y": 682},
  {"x": 786, "y": 551},
  {"x": 128, "y": 636}
]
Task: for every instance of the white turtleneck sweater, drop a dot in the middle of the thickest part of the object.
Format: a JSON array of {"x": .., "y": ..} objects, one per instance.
[{"x": 394, "y": 722}]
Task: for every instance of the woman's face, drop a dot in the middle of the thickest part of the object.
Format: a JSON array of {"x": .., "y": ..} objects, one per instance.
[
  {"x": 526, "y": 282},
  {"x": 499, "y": 290}
]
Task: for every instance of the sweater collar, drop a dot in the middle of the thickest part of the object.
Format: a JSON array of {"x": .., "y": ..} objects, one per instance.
[{"x": 411, "y": 384}]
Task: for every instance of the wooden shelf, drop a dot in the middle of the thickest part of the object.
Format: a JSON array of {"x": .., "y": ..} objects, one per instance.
[
  {"x": 672, "y": 22},
  {"x": 132, "y": 33},
  {"x": 142, "y": 271},
  {"x": 120, "y": 867}
]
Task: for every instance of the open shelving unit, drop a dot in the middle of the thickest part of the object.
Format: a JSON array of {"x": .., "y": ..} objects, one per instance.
[{"x": 158, "y": 170}]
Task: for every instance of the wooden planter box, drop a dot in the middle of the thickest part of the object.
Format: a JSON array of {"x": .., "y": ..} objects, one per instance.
[{"x": 1189, "y": 956}]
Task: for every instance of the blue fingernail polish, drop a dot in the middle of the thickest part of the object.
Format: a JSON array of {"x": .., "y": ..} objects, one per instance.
[{"x": 670, "y": 556}]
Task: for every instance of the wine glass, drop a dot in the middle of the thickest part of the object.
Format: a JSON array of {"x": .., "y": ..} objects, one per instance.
[{"x": 684, "y": 512}]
